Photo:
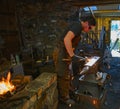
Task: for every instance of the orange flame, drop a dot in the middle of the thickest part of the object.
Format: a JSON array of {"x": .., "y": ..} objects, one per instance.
[
  {"x": 5, "y": 85},
  {"x": 94, "y": 102}
]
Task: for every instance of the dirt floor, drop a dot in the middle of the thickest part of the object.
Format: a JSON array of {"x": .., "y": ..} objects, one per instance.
[{"x": 112, "y": 100}]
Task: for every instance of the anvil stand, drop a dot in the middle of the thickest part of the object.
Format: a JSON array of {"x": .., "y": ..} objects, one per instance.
[{"x": 91, "y": 92}]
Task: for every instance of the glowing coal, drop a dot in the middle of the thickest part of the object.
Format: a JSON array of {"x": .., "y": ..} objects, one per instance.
[{"x": 6, "y": 85}]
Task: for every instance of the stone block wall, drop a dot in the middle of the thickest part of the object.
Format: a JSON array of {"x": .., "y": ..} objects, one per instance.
[{"x": 42, "y": 24}]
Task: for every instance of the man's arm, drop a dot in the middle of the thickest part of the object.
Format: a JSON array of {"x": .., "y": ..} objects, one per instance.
[{"x": 68, "y": 43}]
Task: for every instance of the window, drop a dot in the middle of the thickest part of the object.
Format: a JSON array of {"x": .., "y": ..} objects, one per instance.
[
  {"x": 91, "y": 7},
  {"x": 115, "y": 38}
]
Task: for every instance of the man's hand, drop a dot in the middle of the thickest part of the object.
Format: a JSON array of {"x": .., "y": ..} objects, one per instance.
[
  {"x": 77, "y": 58},
  {"x": 77, "y": 61}
]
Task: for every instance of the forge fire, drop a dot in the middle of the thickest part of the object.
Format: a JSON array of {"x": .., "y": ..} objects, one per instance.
[{"x": 6, "y": 85}]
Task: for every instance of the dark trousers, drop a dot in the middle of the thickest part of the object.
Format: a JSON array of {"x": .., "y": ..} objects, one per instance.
[{"x": 64, "y": 84}]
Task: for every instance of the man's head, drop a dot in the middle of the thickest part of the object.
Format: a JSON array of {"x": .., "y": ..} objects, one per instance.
[{"x": 88, "y": 23}]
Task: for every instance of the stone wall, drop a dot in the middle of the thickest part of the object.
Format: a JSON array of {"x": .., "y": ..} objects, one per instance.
[{"x": 42, "y": 24}]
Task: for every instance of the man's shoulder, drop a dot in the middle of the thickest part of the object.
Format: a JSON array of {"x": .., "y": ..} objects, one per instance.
[{"x": 75, "y": 23}]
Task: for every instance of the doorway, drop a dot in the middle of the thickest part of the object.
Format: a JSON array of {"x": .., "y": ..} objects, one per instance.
[{"x": 115, "y": 37}]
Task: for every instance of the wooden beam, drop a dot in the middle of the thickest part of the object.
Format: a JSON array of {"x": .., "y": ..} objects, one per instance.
[{"x": 82, "y": 3}]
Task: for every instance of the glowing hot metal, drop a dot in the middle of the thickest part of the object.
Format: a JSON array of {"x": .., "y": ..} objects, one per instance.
[{"x": 92, "y": 61}]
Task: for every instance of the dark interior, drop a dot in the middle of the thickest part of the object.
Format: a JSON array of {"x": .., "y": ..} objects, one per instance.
[{"x": 29, "y": 30}]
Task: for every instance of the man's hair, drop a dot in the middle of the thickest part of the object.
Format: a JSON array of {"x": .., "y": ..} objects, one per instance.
[{"x": 91, "y": 20}]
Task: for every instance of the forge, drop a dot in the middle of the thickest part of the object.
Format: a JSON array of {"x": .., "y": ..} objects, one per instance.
[{"x": 39, "y": 93}]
